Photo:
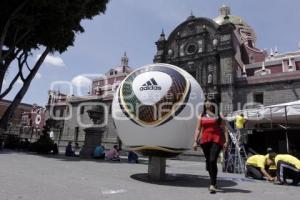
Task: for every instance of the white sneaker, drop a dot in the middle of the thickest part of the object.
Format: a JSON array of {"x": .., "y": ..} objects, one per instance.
[{"x": 212, "y": 189}]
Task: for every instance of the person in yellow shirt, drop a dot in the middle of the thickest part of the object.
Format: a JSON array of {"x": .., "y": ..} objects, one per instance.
[
  {"x": 272, "y": 168},
  {"x": 256, "y": 166},
  {"x": 239, "y": 124},
  {"x": 240, "y": 121},
  {"x": 288, "y": 167}
]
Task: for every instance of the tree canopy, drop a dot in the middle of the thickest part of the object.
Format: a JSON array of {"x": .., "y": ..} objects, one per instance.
[
  {"x": 27, "y": 25},
  {"x": 50, "y": 23}
]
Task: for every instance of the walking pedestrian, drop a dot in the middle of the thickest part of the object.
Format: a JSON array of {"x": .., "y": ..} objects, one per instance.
[{"x": 212, "y": 135}]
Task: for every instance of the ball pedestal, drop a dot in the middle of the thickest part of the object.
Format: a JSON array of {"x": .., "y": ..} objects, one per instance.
[{"x": 157, "y": 168}]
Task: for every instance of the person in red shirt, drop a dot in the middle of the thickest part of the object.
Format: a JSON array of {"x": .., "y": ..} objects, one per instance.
[{"x": 212, "y": 135}]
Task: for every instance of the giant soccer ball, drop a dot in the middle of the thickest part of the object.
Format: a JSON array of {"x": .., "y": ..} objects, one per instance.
[{"x": 156, "y": 108}]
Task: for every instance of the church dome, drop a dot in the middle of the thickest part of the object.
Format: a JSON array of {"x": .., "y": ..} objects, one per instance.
[
  {"x": 245, "y": 31},
  {"x": 225, "y": 11},
  {"x": 236, "y": 20}
]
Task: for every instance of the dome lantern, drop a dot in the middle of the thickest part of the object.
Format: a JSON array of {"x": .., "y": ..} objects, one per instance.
[
  {"x": 225, "y": 10},
  {"x": 191, "y": 17}
]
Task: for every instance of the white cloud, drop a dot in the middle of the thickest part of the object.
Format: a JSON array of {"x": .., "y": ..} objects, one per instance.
[
  {"x": 19, "y": 81},
  {"x": 53, "y": 60},
  {"x": 38, "y": 76},
  {"x": 85, "y": 80},
  {"x": 81, "y": 81}
]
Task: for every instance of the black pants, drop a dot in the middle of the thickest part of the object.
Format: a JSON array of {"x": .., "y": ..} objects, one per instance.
[
  {"x": 254, "y": 172},
  {"x": 211, "y": 152},
  {"x": 287, "y": 171}
]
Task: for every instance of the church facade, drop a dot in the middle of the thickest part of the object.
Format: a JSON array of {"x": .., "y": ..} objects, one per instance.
[{"x": 221, "y": 54}]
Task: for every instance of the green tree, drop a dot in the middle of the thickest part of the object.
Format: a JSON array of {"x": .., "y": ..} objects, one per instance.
[{"x": 29, "y": 25}]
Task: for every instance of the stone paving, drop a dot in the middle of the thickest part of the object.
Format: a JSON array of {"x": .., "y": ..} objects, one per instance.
[{"x": 35, "y": 177}]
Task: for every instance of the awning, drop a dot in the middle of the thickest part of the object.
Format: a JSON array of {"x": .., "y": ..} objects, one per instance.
[{"x": 286, "y": 114}]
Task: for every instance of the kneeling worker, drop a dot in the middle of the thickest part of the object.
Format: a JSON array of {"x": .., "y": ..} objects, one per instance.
[
  {"x": 256, "y": 166},
  {"x": 288, "y": 167}
]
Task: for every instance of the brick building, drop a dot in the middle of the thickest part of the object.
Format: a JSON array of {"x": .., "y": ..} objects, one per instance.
[
  {"x": 27, "y": 120},
  {"x": 32, "y": 123},
  {"x": 17, "y": 115}
]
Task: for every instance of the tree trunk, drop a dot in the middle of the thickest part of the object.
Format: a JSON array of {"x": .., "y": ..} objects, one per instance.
[
  {"x": 4, "y": 67},
  {"x": 18, "y": 98},
  {"x": 2, "y": 74}
]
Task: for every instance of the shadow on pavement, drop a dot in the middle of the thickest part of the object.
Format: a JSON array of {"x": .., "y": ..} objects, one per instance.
[{"x": 188, "y": 180}]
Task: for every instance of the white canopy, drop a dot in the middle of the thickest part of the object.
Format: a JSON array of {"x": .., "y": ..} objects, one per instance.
[{"x": 284, "y": 114}]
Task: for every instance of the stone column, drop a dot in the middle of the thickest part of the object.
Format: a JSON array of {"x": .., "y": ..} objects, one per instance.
[
  {"x": 157, "y": 168},
  {"x": 93, "y": 137}
]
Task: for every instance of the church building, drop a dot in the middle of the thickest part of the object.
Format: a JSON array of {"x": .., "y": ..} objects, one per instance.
[{"x": 221, "y": 53}]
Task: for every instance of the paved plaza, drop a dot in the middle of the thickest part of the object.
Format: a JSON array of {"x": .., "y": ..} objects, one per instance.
[{"x": 35, "y": 177}]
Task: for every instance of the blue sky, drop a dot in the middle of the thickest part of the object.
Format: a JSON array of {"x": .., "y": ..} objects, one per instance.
[{"x": 134, "y": 25}]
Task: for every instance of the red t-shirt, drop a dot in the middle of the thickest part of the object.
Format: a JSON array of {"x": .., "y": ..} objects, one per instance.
[{"x": 211, "y": 131}]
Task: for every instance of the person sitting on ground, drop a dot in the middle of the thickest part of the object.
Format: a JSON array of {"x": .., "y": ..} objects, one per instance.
[
  {"x": 133, "y": 157},
  {"x": 69, "y": 150},
  {"x": 99, "y": 152},
  {"x": 256, "y": 166},
  {"x": 113, "y": 154},
  {"x": 288, "y": 167}
]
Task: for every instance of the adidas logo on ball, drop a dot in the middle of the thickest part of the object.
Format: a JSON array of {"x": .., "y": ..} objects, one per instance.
[{"x": 150, "y": 85}]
